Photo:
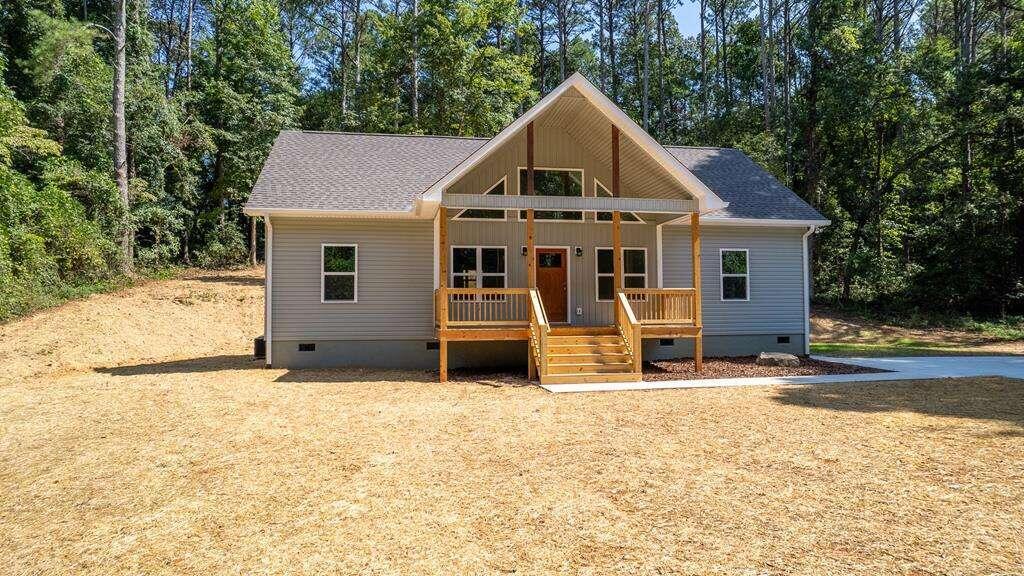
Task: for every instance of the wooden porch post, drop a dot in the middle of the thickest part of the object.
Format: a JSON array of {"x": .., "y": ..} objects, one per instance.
[
  {"x": 531, "y": 250},
  {"x": 442, "y": 283},
  {"x": 698, "y": 342},
  {"x": 616, "y": 215}
]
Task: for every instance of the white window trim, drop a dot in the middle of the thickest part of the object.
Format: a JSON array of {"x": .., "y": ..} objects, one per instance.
[
  {"x": 354, "y": 274},
  {"x": 598, "y": 274},
  {"x": 504, "y": 217},
  {"x": 597, "y": 183},
  {"x": 583, "y": 194},
  {"x": 722, "y": 275},
  {"x": 478, "y": 273}
]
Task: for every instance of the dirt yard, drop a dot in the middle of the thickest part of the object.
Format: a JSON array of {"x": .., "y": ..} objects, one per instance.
[{"x": 137, "y": 436}]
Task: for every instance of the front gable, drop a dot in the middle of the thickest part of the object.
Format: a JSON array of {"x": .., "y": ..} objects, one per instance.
[{"x": 572, "y": 129}]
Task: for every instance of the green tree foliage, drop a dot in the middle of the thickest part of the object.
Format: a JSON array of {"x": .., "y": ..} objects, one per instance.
[{"x": 901, "y": 122}]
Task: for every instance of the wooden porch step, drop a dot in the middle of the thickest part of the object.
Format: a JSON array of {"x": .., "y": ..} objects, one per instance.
[
  {"x": 587, "y": 378},
  {"x": 590, "y": 368},
  {"x": 609, "y": 339},
  {"x": 617, "y": 356},
  {"x": 583, "y": 330},
  {"x": 586, "y": 349}
]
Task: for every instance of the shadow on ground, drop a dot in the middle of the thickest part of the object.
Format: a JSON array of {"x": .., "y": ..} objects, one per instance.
[
  {"x": 994, "y": 399},
  {"x": 186, "y": 366},
  {"x": 230, "y": 280}
]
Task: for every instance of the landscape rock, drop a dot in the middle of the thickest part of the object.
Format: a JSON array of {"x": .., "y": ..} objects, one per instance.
[{"x": 777, "y": 359}]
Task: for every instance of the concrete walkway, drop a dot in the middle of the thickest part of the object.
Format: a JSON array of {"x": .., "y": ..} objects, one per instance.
[{"x": 901, "y": 368}]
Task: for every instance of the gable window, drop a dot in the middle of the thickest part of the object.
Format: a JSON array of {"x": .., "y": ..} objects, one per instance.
[
  {"x": 338, "y": 272},
  {"x": 735, "y": 272},
  {"x": 553, "y": 182},
  {"x": 478, "y": 267},
  {"x": 497, "y": 189},
  {"x": 601, "y": 192},
  {"x": 634, "y": 271}
]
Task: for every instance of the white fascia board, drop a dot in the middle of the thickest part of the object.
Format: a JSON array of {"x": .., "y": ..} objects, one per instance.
[
  {"x": 414, "y": 214},
  {"x": 761, "y": 222},
  {"x": 707, "y": 200}
]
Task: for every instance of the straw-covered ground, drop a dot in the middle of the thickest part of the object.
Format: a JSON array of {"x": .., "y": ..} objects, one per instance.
[{"x": 136, "y": 436}]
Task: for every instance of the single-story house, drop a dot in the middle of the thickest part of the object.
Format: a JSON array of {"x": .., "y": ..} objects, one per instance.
[{"x": 571, "y": 242}]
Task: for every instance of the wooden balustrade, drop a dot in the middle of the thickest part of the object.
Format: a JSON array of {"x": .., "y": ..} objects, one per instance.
[
  {"x": 485, "y": 307},
  {"x": 630, "y": 329},
  {"x": 662, "y": 306},
  {"x": 540, "y": 328}
]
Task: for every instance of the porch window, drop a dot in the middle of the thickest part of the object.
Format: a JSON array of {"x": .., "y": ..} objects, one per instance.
[
  {"x": 634, "y": 271},
  {"x": 338, "y": 272},
  {"x": 553, "y": 182},
  {"x": 497, "y": 189},
  {"x": 478, "y": 267},
  {"x": 601, "y": 192},
  {"x": 735, "y": 273}
]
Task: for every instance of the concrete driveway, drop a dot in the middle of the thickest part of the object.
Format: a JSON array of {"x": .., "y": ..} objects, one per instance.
[
  {"x": 942, "y": 366},
  {"x": 900, "y": 368}
]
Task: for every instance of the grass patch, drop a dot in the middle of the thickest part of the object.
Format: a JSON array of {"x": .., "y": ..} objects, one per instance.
[
  {"x": 903, "y": 347},
  {"x": 1006, "y": 329},
  {"x": 19, "y": 300}
]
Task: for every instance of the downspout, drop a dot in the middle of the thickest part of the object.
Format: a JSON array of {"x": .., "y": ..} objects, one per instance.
[
  {"x": 267, "y": 284},
  {"x": 807, "y": 291}
]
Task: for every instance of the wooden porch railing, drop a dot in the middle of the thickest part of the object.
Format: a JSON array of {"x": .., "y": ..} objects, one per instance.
[
  {"x": 629, "y": 328},
  {"x": 662, "y": 306},
  {"x": 483, "y": 307},
  {"x": 540, "y": 328}
]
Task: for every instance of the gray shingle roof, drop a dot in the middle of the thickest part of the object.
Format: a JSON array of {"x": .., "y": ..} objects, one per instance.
[
  {"x": 344, "y": 171},
  {"x": 750, "y": 190},
  {"x": 383, "y": 172}
]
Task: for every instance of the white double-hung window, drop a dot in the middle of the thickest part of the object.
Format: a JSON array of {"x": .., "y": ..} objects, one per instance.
[
  {"x": 478, "y": 267},
  {"x": 338, "y": 272},
  {"x": 634, "y": 271},
  {"x": 735, "y": 273}
]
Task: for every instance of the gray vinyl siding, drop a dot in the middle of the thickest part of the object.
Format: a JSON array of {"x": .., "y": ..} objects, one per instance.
[
  {"x": 395, "y": 280},
  {"x": 775, "y": 263},
  {"x": 582, "y": 269}
]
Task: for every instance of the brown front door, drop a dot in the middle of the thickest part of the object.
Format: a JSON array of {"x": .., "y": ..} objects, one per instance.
[{"x": 552, "y": 281}]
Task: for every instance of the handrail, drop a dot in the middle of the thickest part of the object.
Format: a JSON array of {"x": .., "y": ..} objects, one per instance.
[
  {"x": 494, "y": 307},
  {"x": 663, "y": 306},
  {"x": 629, "y": 328},
  {"x": 539, "y": 330}
]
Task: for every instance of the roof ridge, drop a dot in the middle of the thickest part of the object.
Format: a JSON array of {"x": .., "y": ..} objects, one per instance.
[
  {"x": 701, "y": 147},
  {"x": 344, "y": 133}
]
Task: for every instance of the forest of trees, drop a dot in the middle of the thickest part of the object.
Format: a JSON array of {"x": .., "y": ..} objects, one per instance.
[{"x": 131, "y": 131}]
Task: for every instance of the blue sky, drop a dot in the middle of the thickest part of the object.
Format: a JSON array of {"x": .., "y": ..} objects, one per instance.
[{"x": 687, "y": 15}]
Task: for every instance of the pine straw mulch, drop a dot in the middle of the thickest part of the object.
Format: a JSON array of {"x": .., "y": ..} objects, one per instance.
[
  {"x": 681, "y": 369},
  {"x": 127, "y": 447},
  {"x": 744, "y": 367}
]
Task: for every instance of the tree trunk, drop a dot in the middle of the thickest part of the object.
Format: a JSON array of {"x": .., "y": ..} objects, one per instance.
[
  {"x": 188, "y": 42},
  {"x": 647, "y": 66},
  {"x": 416, "y": 63},
  {"x": 611, "y": 51},
  {"x": 703, "y": 67},
  {"x": 602, "y": 70},
  {"x": 121, "y": 139}
]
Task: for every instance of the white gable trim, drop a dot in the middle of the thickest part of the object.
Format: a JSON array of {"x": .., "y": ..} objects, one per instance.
[{"x": 707, "y": 200}]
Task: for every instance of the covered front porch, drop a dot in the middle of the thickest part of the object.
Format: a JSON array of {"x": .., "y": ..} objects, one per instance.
[{"x": 561, "y": 350}]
